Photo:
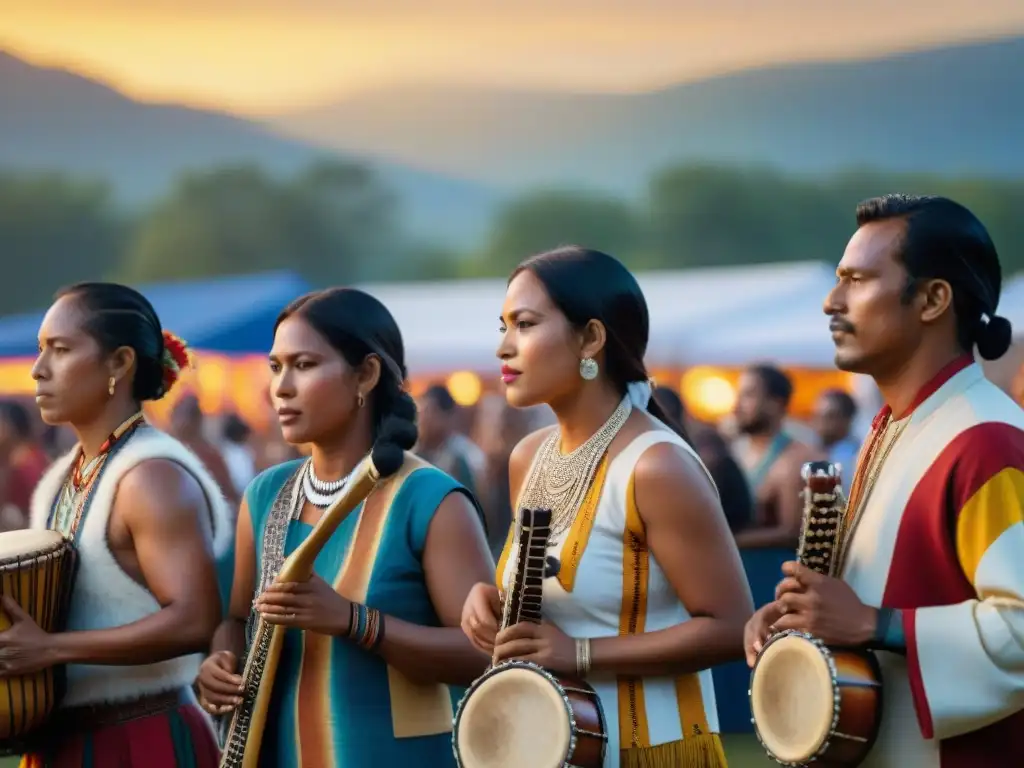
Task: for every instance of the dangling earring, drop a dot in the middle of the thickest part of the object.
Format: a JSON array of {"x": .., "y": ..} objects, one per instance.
[
  {"x": 588, "y": 368},
  {"x": 360, "y": 400},
  {"x": 111, "y": 385}
]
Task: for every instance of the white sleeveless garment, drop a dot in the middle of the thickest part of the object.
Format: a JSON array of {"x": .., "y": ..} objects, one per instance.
[
  {"x": 609, "y": 584},
  {"x": 104, "y": 596}
]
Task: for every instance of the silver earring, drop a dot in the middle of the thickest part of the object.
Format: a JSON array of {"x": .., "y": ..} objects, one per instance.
[{"x": 588, "y": 368}]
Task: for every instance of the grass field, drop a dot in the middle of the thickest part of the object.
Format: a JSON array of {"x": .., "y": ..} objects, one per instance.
[{"x": 743, "y": 752}]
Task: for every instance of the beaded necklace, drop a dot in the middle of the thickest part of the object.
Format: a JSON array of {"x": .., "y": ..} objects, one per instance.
[
  {"x": 81, "y": 480},
  {"x": 560, "y": 481}
]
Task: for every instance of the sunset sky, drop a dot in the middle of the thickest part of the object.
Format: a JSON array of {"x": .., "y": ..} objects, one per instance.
[{"x": 266, "y": 56}]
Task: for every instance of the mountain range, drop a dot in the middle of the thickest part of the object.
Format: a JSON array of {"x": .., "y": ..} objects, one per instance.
[
  {"x": 454, "y": 153},
  {"x": 53, "y": 119},
  {"x": 955, "y": 109}
]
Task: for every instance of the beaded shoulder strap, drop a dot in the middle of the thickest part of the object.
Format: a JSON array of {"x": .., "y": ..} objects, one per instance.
[
  {"x": 275, "y": 533},
  {"x": 275, "y": 530}
]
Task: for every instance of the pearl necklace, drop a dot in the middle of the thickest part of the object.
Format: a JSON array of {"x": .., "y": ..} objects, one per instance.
[{"x": 321, "y": 493}]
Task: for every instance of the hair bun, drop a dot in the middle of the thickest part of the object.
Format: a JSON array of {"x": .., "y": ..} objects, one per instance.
[
  {"x": 994, "y": 337},
  {"x": 177, "y": 356}
]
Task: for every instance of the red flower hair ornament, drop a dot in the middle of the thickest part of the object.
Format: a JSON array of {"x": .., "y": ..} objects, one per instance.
[{"x": 177, "y": 357}]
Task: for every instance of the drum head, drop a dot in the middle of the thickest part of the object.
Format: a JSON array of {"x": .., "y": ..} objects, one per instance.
[
  {"x": 14, "y": 544},
  {"x": 791, "y": 698},
  {"x": 514, "y": 718}
]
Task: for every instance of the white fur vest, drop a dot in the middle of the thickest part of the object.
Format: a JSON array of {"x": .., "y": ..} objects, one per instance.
[{"x": 104, "y": 596}]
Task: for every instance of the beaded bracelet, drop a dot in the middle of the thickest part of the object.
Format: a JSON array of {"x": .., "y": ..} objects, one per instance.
[{"x": 366, "y": 626}]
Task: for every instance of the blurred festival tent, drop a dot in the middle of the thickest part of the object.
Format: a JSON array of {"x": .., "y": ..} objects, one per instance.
[
  {"x": 706, "y": 324},
  {"x": 1011, "y": 303},
  {"x": 453, "y": 325},
  {"x": 229, "y": 315},
  {"x": 228, "y": 320},
  {"x": 1008, "y": 371},
  {"x": 451, "y": 329}
]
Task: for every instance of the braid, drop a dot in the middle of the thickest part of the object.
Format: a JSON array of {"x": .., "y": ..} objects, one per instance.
[{"x": 391, "y": 401}]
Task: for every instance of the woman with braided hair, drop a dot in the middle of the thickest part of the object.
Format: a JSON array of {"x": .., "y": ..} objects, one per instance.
[
  {"x": 147, "y": 522},
  {"x": 373, "y": 650}
]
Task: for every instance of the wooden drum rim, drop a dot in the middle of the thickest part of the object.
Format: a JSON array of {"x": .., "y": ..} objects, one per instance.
[
  {"x": 15, "y": 561},
  {"x": 505, "y": 666},
  {"x": 830, "y": 661}
]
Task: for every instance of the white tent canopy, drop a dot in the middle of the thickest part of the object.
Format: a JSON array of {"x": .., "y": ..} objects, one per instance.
[
  {"x": 787, "y": 330},
  {"x": 723, "y": 316},
  {"x": 454, "y": 325},
  {"x": 1011, "y": 304},
  {"x": 446, "y": 326},
  {"x": 688, "y": 308}
]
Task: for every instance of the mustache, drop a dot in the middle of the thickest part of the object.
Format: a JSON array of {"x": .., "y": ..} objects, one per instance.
[{"x": 840, "y": 324}]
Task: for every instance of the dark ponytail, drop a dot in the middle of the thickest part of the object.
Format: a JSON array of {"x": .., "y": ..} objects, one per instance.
[
  {"x": 391, "y": 401},
  {"x": 662, "y": 413},
  {"x": 590, "y": 285},
  {"x": 993, "y": 336},
  {"x": 357, "y": 325}
]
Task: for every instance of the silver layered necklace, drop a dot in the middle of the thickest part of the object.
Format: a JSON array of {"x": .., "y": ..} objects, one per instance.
[
  {"x": 560, "y": 482},
  {"x": 321, "y": 493}
]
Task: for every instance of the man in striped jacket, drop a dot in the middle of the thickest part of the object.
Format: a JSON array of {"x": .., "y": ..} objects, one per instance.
[{"x": 932, "y": 564}]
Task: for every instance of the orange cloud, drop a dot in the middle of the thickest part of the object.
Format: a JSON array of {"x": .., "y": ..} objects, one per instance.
[{"x": 270, "y": 55}]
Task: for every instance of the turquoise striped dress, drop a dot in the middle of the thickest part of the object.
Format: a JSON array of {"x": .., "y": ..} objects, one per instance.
[{"x": 335, "y": 705}]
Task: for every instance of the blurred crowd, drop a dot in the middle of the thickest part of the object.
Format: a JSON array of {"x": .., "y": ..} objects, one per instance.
[{"x": 754, "y": 455}]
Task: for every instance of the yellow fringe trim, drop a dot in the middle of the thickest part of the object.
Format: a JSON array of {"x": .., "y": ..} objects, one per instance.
[{"x": 704, "y": 751}]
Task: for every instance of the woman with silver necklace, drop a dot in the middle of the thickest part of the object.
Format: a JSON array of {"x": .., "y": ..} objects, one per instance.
[
  {"x": 650, "y": 591},
  {"x": 373, "y": 648}
]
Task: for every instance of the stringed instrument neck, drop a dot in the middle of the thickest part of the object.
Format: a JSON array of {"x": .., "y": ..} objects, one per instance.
[
  {"x": 524, "y": 598},
  {"x": 824, "y": 509}
]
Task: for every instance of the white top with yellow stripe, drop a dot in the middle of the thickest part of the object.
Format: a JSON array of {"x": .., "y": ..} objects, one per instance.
[{"x": 608, "y": 585}]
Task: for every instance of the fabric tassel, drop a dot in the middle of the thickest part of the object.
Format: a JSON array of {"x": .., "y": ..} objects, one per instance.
[{"x": 704, "y": 751}]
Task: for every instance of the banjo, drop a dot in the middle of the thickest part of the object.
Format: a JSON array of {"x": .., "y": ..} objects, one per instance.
[
  {"x": 518, "y": 714},
  {"x": 811, "y": 703}
]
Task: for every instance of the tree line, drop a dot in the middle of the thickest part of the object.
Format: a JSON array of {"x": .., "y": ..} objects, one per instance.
[{"x": 337, "y": 222}]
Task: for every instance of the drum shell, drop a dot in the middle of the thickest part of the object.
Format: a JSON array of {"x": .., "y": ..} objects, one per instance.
[
  {"x": 858, "y": 677},
  {"x": 589, "y": 727},
  {"x": 857, "y": 714},
  {"x": 40, "y": 583}
]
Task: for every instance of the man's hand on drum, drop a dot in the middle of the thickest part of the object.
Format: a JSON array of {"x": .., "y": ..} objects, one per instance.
[
  {"x": 311, "y": 605},
  {"x": 825, "y": 607},
  {"x": 480, "y": 616},
  {"x": 543, "y": 644},
  {"x": 220, "y": 687},
  {"x": 24, "y": 647}
]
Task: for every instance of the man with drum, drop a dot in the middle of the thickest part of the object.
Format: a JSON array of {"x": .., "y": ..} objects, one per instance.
[{"x": 931, "y": 567}]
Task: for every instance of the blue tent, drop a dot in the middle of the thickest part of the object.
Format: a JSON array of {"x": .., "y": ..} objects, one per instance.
[{"x": 232, "y": 315}]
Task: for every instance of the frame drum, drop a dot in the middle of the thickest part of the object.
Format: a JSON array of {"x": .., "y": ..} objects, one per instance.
[
  {"x": 36, "y": 569},
  {"x": 518, "y": 715},
  {"x": 813, "y": 703}
]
